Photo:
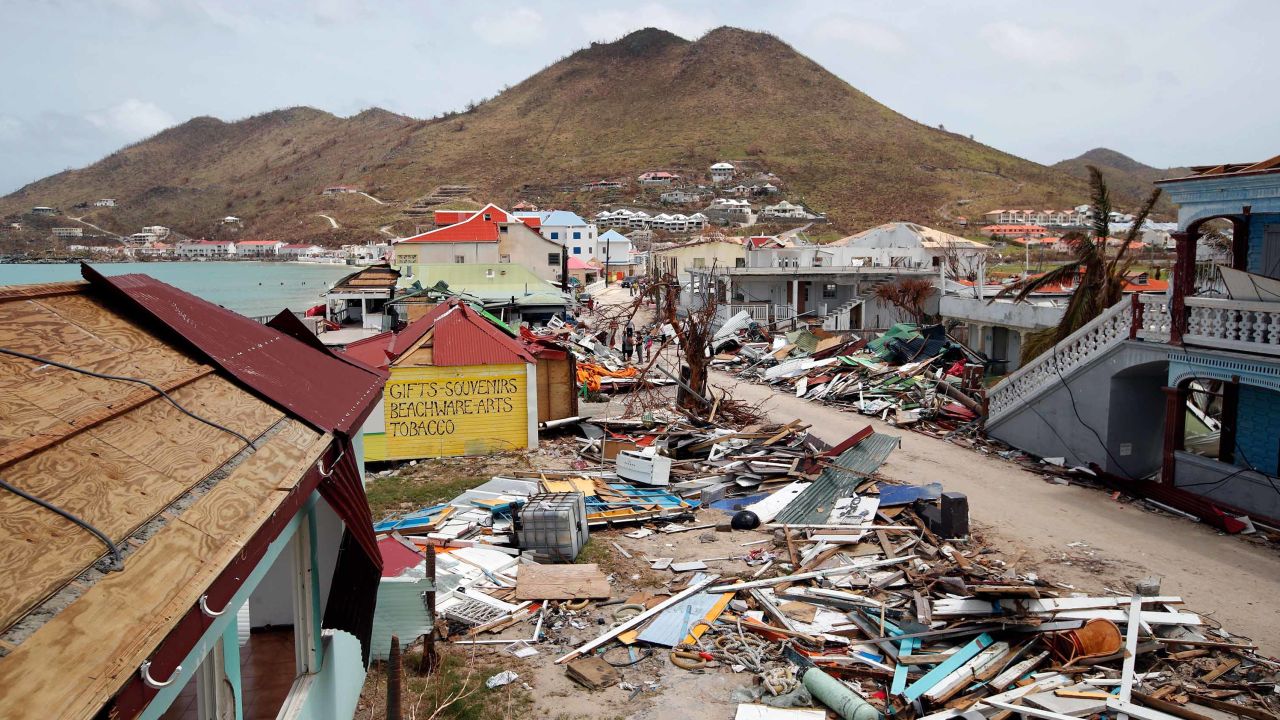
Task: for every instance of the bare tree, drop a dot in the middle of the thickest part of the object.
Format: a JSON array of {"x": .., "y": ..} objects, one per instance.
[{"x": 908, "y": 294}]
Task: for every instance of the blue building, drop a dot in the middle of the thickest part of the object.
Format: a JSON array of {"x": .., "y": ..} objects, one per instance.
[{"x": 1177, "y": 396}]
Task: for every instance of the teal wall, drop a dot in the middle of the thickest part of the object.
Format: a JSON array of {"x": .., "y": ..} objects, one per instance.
[
  {"x": 1258, "y": 434},
  {"x": 329, "y": 694},
  {"x": 1257, "y": 226}
]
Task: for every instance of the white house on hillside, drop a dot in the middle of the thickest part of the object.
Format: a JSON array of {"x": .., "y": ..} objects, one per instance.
[{"x": 722, "y": 172}]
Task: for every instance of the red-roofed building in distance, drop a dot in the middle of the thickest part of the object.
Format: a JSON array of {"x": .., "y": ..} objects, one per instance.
[
  {"x": 657, "y": 177},
  {"x": 485, "y": 236},
  {"x": 1012, "y": 231}
]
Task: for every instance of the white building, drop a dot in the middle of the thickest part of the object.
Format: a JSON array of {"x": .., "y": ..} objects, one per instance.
[
  {"x": 105, "y": 202},
  {"x": 159, "y": 231},
  {"x": 207, "y": 248},
  {"x": 640, "y": 220},
  {"x": 231, "y": 220},
  {"x": 657, "y": 177},
  {"x": 68, "y": 232},
  {"x": 1075, "y": 217},
  {"x": 787, "y": 211},
  {"x": 258, "y": 248},
  {"x": 564, "y": 227},
  {"x": 906, "y": 245},
  {"x": 293, "y": 251},
  {"x": 140, "y": 239},
  {"x": 722, "y": 172},
  {"x": 681, "y": 197},
  {"x": 732, "y": 210}
]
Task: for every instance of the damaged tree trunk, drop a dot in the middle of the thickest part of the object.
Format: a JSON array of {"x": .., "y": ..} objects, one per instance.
[{"x": 694, "y": 335}]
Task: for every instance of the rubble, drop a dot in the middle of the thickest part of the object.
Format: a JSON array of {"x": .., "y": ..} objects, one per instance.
[
  {"x": 851, "y": 595},
  {"x": 912, "y": 376}
]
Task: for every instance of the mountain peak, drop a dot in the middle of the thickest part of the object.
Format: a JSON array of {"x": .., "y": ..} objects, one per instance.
[
  {"x": 640, "y": 43},
  {"x": 1106, "y": 157}
]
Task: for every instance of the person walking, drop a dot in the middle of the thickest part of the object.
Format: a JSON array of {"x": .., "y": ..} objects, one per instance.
[{"x": 628, "y": 341}]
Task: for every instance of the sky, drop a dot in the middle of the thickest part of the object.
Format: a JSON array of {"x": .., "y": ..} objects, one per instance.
[{"x": 1167, "y": 82}]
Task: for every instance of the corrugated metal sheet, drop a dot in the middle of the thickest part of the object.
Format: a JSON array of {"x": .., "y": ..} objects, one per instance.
[
  {"x": 814, "y": 505},
  {"x": 462, "y": 337},
  {"x": 329, "y": 393},
  {"x": 673, "y": 624},
  {"x": 402, "y": 611}
]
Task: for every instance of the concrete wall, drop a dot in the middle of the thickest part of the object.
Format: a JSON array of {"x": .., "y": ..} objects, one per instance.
[
  {"x": 1227, "y": 483},
  {"x": 440, "y": 252},
  {"x": 678, "y": 259},
  {"x": 1047, "y": 424},
  {"x": 1001, "y": 312},
  {"x": 526, "y": 247}
]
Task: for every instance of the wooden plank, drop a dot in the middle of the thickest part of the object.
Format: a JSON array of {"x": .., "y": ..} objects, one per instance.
[
  {"x": 1223, "y": 668},
  {"x": 114, "y": 626},
  {"x": 561, "y": 582},
  {"x": 1168, "y": 707},
  {"x": 38, "y": 290},
  {"x": 14, "y": 451},
  {"x": 1233, "y": 708}
]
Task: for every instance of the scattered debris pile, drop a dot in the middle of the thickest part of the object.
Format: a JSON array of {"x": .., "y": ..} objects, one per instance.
[
  {"x": 912, "y": 375},
  {"x": 826, "y": 588}
]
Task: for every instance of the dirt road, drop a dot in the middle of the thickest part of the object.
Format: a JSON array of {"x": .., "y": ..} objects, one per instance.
[{"x": 1228, "y": 579}]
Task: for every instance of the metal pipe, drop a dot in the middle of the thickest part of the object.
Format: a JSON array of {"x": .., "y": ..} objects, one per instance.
[{"x": 837, "y": 696}]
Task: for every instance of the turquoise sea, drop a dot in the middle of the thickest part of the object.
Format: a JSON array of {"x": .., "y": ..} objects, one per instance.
[{"x": 249, "y": 288}]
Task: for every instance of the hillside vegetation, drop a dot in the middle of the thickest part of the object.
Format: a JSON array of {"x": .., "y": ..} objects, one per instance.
[
  {"x": 651, "y": 100},
  {"x": 1126, "y": 178}
]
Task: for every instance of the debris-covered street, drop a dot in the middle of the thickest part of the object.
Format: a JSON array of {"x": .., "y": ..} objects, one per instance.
[{"x": 796, "y": 559}]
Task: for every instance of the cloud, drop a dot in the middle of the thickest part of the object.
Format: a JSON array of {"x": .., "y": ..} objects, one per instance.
[
  {"x": 522, "y": 26},
  {"x": 11, "y": 128},
  {"x": 1041, "y": 47},
  {"x": 132, "y": 119},
  {"x": 861, "y": 33},
  {"x": 613, "y": 24}
]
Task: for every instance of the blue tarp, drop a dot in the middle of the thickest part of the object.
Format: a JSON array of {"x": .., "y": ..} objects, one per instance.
[{"x": 891, "y": 495}]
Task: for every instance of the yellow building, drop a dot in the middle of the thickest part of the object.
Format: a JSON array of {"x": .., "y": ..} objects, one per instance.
[{"x": 458, "y": 386}]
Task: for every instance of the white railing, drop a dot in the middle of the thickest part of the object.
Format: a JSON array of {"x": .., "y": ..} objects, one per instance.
[
  {"x": 758, "y": 312},
  {"x": 1108, "y": 329},
  {"x": 1157, "y": 320},
  {"x": 1211, "y": 322},
  {"x": 1233, "y": 325}
]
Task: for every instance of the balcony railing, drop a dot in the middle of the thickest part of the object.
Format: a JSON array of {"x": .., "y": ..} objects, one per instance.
[
  {"x": 1233, "y": 325},
  {"x": 763, "y": 313},
  {"x": 1252, "y": 327}
]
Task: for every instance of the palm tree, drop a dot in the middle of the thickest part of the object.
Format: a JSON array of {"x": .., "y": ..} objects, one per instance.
[{"x": 1101, "y": 275}]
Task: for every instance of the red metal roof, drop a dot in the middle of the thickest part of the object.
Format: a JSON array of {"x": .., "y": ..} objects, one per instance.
[
  {"x": 374, "y": 351},
  {"x": 330, "y": 393},
  {"x": 474, "y": 229},
  {"x": 464, "y": 337},
  {"x": 396, "y": 558}
]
